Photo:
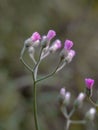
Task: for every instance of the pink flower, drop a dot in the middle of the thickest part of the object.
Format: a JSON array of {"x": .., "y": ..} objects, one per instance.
[
  {"x": 89, "y": 83},
  {"x": 56, "y": 45},
  {"x": 68, "y": 44},
  {"x": 35, "y": 36},
  {"x": 51, "y": 34},
  {"x": 70, "y": 56}
]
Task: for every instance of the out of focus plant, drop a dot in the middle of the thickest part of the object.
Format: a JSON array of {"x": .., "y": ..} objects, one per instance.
[{"x": 47, "y": 47}]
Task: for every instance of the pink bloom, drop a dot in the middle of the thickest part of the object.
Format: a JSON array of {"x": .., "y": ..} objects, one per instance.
[
  {"x": 35, "y": 36},
  {"x": 51, "y": 34},
  {"x": 89, "y": 83},
  {"x": 56, "y": 45},
  {"x": 70, "y": 56},
  {"x": 72, "y": 53},
  {"x": 68, "y": 44}
]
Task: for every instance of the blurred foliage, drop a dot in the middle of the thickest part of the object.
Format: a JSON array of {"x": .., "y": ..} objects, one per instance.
[{"x": 76, "y": 20}]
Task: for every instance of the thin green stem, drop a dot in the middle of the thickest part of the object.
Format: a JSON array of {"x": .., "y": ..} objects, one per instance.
[
  {"x": 72, "y": 112},
  {"x": 49, "y": 75},
  {"x": 28, "y": 67},
  {"x": 64, "y": 112},
  {"x": 35, "y": 104},
  {"x": 22, "y": 60},
  {"x": 94, "y": 104},
  {"x": 38, "y": 58},
  {"x": 78, "y": 121},
  {"x": 37, "y": 64}
]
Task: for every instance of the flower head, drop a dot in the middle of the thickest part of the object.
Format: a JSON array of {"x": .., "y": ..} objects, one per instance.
[
  {"x": 79, "y": 100},
  {"x": 62, "y": 92},
  {"x": 89, "y": 83},
  {"x": 70, "y": 56},
  {"x": 51, "y": 34},
  {"x": 67, "y": 98},
  {"x": 35, "y": 36},
  {"x": 68, "y": 44},
  {"x": 56, "y": 45},
  {"x": 91, "y": 114}
]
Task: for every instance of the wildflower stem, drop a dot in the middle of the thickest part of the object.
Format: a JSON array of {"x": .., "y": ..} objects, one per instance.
[
  {"x": 37, "y": 64},
  {"x": 78, "y": 121},
  {"x": 67, "y": 124},
  {"x": 64, "y": 112},
  {"x": 94, "y": 104},
  {"x": 35, "y": 103},
  {"x": 22, "y": 60},
  {"x": 72, "y": 112},
  {"x": 49, "y": 75},
  {"x": 38, "y": 59}
]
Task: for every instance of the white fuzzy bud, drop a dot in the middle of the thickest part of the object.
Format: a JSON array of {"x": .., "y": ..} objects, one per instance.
[
  {"x": 91, "y": 114},
  {"x": 78, "y": 102},
  {"x": 67, "y": 98},
  {"x": 62, "y": 92}
]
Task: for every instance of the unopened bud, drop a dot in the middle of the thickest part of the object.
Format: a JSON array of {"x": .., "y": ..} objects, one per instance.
[
  {"x": 44, "y": 41},
  {"x": 51, "y": 34},
  {"x": 68, "y": 44},
  {"x": 70, "y": 56},
  {"x": 89, "y": 85},
  {"x": 56, "y": 45},
  {"x": 35, "y": 36},
  {"x": 34, "y": 40},
  {"x": 90, "y": 114},
  {"x": 62, "y": 96},
  {"x": 78, "y": 102},
  {"x": 62, "y": 92},
  {"x": 67, "y": 98}
]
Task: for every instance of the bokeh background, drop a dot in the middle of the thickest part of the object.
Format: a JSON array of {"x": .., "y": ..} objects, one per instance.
[{"x": 71, "y": 19}]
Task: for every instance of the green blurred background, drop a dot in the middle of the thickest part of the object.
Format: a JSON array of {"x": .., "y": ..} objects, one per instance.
[{"x": 71, "y": 19}]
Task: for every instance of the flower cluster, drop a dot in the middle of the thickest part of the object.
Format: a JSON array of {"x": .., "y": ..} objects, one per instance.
[
  {"x": 65, "y": 103},
  {"x": 48, "y": 47},
  {"x": 65, "y": 99}
]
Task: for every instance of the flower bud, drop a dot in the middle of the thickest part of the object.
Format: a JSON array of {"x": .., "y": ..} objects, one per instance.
[
  {"x": 56, "y": 45},
  {"x": 70, "y": 56},
  {"x": 89, "y": 84},
  {"x": 67, "y": 98},
  {"x": 62, "y": 96},
  {"x": 35, "y": 36},
  {"x": 68, "y": 44},
  {"x": 34, "y": 40},
  {"x": 62, "y": 92},
  {"x": 44, "y": 41},
  {"x": 90, "y": 114},
  {"x": 78, "y": 102},
  {"x": 51, "y": 34}
]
